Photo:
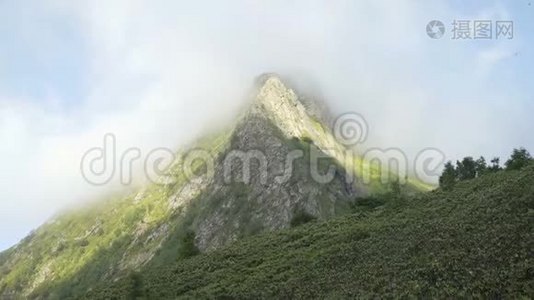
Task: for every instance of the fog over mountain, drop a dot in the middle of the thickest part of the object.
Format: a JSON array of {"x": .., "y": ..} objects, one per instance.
[{"x": 157, "y": 74}]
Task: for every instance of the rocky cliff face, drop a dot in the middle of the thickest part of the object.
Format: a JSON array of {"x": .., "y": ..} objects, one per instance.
[
  {"x": 278, "y": 138},
  {"x": 264, "y": 175},
  {"x": 261, "y": 177}
]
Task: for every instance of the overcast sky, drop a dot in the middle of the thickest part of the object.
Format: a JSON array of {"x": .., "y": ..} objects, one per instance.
[{"x": 157, "y": 73}]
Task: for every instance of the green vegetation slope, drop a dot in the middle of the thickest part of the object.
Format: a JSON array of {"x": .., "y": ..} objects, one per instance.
[{"x": 476, "y": 240}]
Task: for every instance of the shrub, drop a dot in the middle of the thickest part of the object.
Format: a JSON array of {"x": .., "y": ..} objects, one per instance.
[
  {"x": 301, "y": 217},
  {"x": 135, "y": 283},
  {"x": 369, "y": 202},
  {"x": 187, "y": 247}
]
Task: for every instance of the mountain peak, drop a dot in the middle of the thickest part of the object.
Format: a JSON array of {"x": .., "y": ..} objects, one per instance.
[
  {"x": 281, "y": 105},
  {"x": 274, "y": 93}
]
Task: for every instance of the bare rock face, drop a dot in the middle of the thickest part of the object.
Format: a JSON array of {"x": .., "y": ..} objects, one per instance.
[{"x": 266, "y": 176}]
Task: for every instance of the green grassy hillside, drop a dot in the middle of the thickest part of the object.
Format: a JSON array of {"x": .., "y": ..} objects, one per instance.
[{"x": 476, "y": 240}]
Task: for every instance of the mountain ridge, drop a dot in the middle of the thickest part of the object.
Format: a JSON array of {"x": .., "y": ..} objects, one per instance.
[{"x": 180, "y": 216}]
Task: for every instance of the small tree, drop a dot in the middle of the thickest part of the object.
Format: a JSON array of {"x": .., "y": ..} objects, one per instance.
[
  {"x": 519, "y": 158},
  {"x": 466, "y": 169},
  {"x": 495, "y": 165},
  {"x": 481, "y": 166},
  {"x": 448, "y": 177}
]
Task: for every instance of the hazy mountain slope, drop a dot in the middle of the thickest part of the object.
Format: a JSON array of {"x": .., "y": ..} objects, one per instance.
[
  {"x": 166, "y": 221},
  {"x": 474, "y": 241}
]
